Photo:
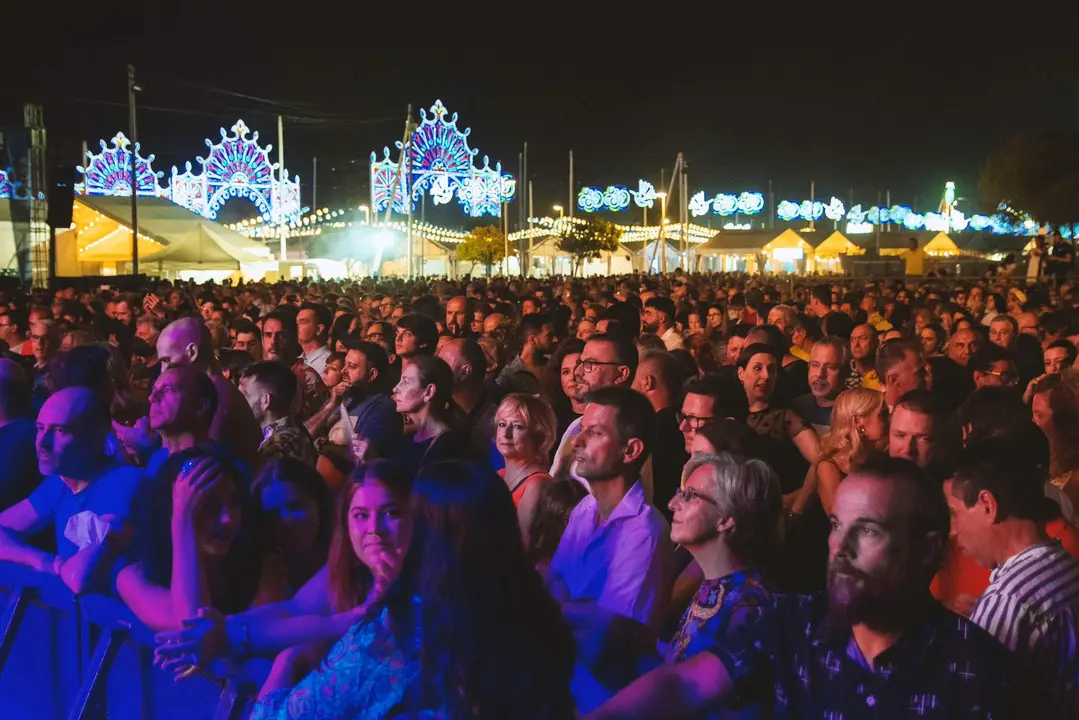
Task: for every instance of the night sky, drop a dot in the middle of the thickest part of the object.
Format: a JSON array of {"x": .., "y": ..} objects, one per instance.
[{"x": 899, "y": 101}]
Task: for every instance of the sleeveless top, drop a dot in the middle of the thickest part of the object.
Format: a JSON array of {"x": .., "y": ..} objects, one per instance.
[{"x": 519, "y": 491}]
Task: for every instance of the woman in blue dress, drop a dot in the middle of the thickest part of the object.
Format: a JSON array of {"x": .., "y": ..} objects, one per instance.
[{"x": 466, "y": 631}]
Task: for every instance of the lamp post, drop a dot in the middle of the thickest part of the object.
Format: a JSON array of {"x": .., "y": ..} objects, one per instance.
[
  {"x": 558, "y": 209},
  {"x": 366, "y": 214},
  {"x": 661, "y": 247}
]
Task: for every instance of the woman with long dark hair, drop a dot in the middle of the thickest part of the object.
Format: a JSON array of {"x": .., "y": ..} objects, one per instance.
[
  {"x": 466, "y": 631},
  {"x": 370, "y": 532},
  {"x": 197, "y": 542},
  {"x": 561, "y": 385},
  {"x": 424, "y": 394}
]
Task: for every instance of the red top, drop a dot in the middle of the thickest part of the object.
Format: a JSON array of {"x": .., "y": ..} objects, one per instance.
[{"x": 519, "y": 491}]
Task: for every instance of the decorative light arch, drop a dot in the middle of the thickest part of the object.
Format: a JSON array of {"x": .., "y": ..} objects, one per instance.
[
  {"x": 439, "y": 162},
  {"x": 109, "y": 172},
  {"x": 7, "y": 186},
  {"x": 235, "y": 167}
]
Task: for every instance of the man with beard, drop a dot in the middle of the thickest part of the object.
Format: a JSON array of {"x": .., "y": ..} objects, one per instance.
[
  {"x": 658, "y": 319},
  {"x": 459, "y": 316},
  {"x": 829, "y": 365},
  {"x": 606, "y": 361},
  {"x": 875, "y": 644},
  {"x": 537, "y": 342}
]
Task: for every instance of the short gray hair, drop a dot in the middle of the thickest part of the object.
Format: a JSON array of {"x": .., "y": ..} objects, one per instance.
[{"x": 747, "y": 491}]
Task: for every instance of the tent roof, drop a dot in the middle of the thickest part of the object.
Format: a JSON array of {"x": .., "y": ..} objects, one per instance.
[
  {"x": 732, "y": 242},
  {"x": 837, "y": 244},
  {"x": 941, "y": 243},
  {"x": 988, "y": 243},
  {"x": 184, "y": 238}
]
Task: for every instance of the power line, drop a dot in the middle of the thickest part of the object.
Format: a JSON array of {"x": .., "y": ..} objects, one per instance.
[{"x": 294, "y": 106}]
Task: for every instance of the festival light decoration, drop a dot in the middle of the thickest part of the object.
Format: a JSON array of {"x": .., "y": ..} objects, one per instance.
[
  {"x": 593, "y": 199},
  {"x": 645, "y": 196},
  {"x": 698, "y": 205},
  {"x": 440, "y": 162},
  {"x": 235, "y": 167},
  {"x": 914, "y": 221},
  {"x": 7, "y": 186},
  {"x": 109, "y": 172},
  {"x": 835, "y": 210}
]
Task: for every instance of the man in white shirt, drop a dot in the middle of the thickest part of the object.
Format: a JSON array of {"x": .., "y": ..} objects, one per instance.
[
  {"x": 658, "y": 318},
  {"x": 1032, "y": 603},
  {"x": 612, "y": 569},
  {"x": 312, "y": 328}
]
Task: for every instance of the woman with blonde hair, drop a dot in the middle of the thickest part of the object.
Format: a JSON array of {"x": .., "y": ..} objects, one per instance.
[
  {"x": 858, "y": 426},
  {"x": 525, "y": 433}
]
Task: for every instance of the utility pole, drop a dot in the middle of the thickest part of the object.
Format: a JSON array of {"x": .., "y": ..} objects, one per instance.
[
  {"x": 131, "y": 89},
  {"x": 282, "y": 226},
  {"x": 314, "y": 183},
  {"x": 571, "y": 203}
]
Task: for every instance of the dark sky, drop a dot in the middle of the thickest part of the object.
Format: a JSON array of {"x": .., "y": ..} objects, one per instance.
[{"x": 900, "y": 98}]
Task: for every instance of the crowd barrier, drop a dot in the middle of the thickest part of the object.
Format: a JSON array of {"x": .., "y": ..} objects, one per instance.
[{"x": 64, "y": 657}]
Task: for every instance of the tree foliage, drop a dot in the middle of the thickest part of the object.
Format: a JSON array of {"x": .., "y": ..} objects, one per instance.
[
  {"x": 1036, "y": 175},
  {"x": 589, "y": 239},
  {"x": 485, "y": 245}
]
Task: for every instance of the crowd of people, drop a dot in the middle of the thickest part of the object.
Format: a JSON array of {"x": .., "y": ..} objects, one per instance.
[{"x": 624, "y": 497}]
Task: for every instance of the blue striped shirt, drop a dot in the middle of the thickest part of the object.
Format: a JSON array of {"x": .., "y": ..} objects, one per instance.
[{"x": 1032, "y": 607}]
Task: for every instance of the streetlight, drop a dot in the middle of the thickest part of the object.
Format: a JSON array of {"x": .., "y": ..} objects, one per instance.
[
  {"x": 661, "y": 245},
  {"x": 367, "y": 214},
  {"x": 558, "y": 209}
]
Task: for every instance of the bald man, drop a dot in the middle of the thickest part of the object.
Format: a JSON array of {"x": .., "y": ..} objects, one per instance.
[
  {"x": 18, "y": 458},
  {"x": 187, "y": 342},
  {"x": 86, "y": 496}
]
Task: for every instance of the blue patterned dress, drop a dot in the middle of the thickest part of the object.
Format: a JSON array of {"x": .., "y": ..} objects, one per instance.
[
  {"x": 740, "y": 596},
  {"x": 365, "y": 675}
]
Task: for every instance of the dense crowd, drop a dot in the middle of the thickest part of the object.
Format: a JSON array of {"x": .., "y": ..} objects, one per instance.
[{"x": 649, "y": 497}]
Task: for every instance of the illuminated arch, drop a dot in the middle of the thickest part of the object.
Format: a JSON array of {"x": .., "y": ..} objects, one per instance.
[{"x": 109, "y": 171}]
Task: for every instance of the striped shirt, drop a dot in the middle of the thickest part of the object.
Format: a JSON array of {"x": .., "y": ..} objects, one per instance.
[{"x": 1032, "y": 607}]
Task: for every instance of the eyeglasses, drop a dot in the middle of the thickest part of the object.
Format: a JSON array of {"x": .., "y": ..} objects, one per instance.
[
  {"x": 1006, "y": 377},
  {"x": 694, "y": 422},
  {"x": 374, "y": 336},
  {"x": 688, "y": 495},
  {"x": 589, "y": 366}
]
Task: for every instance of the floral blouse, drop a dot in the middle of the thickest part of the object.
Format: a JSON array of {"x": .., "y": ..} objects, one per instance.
[{"x": 365, "y": 675}]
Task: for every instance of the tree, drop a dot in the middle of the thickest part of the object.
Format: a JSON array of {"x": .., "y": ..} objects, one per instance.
[
  {"x": 1036, "y": 175},
  {"x": 485, "y": 245},
  {"x": 589, "y": 239}
]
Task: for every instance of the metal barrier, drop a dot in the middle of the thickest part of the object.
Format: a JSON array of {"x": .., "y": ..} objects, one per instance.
[{"x": 64, "y": 657}]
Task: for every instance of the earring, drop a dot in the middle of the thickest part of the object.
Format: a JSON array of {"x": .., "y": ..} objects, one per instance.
[{"x": 861, "y": 431}]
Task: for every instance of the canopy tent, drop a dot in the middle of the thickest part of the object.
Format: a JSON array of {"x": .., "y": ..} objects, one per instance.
[
  {"x": 987, "y": 244},
  {"x": 547, "y": 256},
  {"x": 941, "y": 245},
  {"x": 835, "y": 245},
  {"x": 170, "y": 237}
]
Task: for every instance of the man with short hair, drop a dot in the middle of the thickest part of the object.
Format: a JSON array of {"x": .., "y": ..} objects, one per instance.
[
  {"x": 606, "y": 361},
  {"x": 537, "y": 342},
  {"x": 657, "y": 379},
  {"x": 863, "y": 353},
  {"x": 270, "y": 389},
  {"x": 279, "y": 342},
  {"x": 182, "y": 406},
  {"x": 829, "y": 365},
  {"x": 248, "y": 338},
  {"x": 13, "y": 332},
  {"x": 85, "y": 495},
  {"x": 901, "y": 368},
  {"x": 915, "y": 429},
  {"x": 312, "y": 329},
  {"x": 1032, "y": 603},
  {"x": 476, "y": 408},
  {"x": 658, "y": 319},
  {"x": 611, "y": 568},
  {"x": 875, "y": 644},
  {"x": 1003, "y": 331},
  {"x": 18, "y": 457},
  {"x": 962, "y": 344},
  {"x": 459, "y": 316},
  {"x": 994, "y": 366},
  {"x": 187, "y": 342},
  {"x": 710, "y": 399},
  {"x": 416, "y": 335},
  {"x": 820, "y": 301},
  {"x": 1028, "y": 324},
  {"x": 913, "y": 258}
]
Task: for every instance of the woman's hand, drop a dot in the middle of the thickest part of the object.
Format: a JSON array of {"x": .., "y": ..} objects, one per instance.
[
  {"x": 199, "y": 641},
  {"x": 1028, "y": 394},
  {"x": 197, "y": 478}
]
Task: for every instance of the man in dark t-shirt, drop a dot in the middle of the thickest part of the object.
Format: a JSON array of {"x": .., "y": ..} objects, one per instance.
[{"x": 829, "y": 365}]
